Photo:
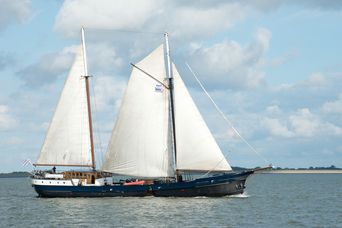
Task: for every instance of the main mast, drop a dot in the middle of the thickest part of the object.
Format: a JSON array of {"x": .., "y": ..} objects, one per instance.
[
  {"x": 170, "y": 77},
  {"x": 86, "y": 77}
]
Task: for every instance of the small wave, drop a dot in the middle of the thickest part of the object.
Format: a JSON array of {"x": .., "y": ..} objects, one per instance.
[
  {"x": 243, "y": 195},
  {"x": 200, "y": 197}
]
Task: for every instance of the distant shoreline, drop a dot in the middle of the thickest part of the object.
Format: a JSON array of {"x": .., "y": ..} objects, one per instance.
[
  {"x": 14, "y": 175},
  {"x": 302, "y": 171}
]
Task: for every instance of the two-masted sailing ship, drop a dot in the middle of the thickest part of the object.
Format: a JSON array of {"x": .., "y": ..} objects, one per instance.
[{"x": 160, "y": 144}]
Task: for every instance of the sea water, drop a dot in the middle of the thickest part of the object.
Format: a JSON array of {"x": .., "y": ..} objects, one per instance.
[{"x": 271, "y": 200}]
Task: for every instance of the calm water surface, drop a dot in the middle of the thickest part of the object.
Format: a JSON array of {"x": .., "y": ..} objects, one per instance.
[{"x": 272, "y": 200}]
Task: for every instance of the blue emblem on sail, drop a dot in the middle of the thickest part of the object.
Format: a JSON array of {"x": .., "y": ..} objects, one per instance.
[{"x": 158, "y": 88}]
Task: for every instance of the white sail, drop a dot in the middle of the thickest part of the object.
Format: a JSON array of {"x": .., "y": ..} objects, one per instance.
[
  {"x": 196, "y": 146},
  {"x": 139, "y": 141},
  {"x": 68, "y": 138}
]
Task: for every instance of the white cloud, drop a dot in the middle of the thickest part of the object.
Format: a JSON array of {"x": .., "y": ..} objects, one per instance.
[
  {"x": 277, "y": 128},
  {"x": 273, "y": 109},
  {"x": 230, "y": 65},
  {"x": 189, "y": 21},
  {"x": 280, "y": 60},
  {"x": 103, "y": 57},
  {"x": 6, "y": 120},
  {"x": 108, "y": 93},
  {"x": 316, "y": 80},
  {"x": 180, "y": 19},
  {"x": 301, "y": 123},
  {"x": 104, "y": 14},
  {"x": 333, "y": 107},
  {"x": 48, "y": 68},
  {"x": 304, "y": 123},
  {"x": 14, "y": 11}
]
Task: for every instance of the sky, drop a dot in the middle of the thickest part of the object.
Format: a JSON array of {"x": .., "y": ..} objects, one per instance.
[{"x": 273, "y": 67}]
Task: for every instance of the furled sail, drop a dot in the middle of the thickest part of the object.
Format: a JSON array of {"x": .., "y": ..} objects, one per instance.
[
  {"x": 196, "y": 146},
  {"x": 68, "y": 139},
  {"x": 139, "y": 141}
]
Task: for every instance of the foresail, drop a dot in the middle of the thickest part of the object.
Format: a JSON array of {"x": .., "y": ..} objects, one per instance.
[
  {"x": 139, "y": 141},
  {"x": 196, "y": 146},
  {"x": 68, "y": 138}
]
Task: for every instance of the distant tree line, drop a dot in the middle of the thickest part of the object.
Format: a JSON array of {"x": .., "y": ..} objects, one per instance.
[
  {"x": 332, "y": 167},
  {"x": 14, "y": 174}
]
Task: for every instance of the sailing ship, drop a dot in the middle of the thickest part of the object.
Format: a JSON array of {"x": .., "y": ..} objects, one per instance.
[{"x": 160, "y": 143}]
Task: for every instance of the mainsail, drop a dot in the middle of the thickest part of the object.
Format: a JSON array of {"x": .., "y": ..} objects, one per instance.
[
  {"x": 67, "y": 142},
  {"x": 139, "y": 141},
  {"x": 196, "y": 146}
]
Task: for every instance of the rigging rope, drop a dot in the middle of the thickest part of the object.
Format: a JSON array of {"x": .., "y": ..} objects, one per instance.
[
  {"x": 224, "y": 116},
  {"x": 209, "y": 171},
  {"x": 96, "y": 127}
]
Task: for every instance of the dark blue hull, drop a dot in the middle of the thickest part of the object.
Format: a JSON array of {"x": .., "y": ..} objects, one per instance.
[{"x": 222, "y": 185}]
